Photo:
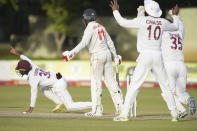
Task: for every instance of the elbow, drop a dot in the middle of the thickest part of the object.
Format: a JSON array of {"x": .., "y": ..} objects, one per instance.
[{"x": 122, "y": 24}]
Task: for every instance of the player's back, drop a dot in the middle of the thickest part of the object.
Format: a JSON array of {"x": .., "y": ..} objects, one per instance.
[
  {"x": 172, "y": 46},
  {"x": 98, "y": 41},
  {"x": 41, "y": 77},
  {"x": 150, "y": 33}
]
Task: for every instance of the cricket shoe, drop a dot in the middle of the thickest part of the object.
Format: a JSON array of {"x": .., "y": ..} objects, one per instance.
[
  {"x": 175, "y": 119},
  {"x": 121, "y": 118},
  {"x": 192, "y": 106},
  {"x": 91, "y": 114},
  {"x": 58, "y": 108},
  {"x": 182, "y": 114}
]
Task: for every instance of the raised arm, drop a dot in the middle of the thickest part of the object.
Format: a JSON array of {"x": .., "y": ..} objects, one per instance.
[
  {"x": 181, "y": 28},
  {"x": 13, "y": 51},
  {"x": 175, "y": 25},
  {"x": 134, "y": 23}
]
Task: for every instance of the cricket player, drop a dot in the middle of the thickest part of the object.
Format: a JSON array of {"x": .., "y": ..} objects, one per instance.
[
  {"x": 102, "y": 50},
  {"x": 151, "y": 28},
  {"x": 54, "y": 86},
  {"x": 172, "y": 52}
]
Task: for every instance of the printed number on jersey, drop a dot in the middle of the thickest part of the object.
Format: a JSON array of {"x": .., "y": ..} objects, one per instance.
[
  {"x": 154, "y": 32},
  {"x": 176, "y": 43},
  {"x": 40, "y": 72}
]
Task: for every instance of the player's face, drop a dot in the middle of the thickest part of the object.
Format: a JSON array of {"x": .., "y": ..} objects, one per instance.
[{"x": 22, "y": 72}]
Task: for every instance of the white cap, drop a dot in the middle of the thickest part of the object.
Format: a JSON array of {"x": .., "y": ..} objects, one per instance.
[{"x": 152, "y": 8}]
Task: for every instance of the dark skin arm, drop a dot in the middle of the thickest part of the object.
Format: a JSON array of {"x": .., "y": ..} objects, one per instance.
[
  {"x": 175, "y": 10},
  {"x": 13, "y": 51},
  {"x": 114, "y": 5}
]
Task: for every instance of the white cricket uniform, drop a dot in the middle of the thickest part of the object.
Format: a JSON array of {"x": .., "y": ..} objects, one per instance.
[
  {"x": 150, "y": 57},
  {"x": 53, "y": 88},
  {"x": 172, "y": 52},
  {"x": 100, "y": 47}
]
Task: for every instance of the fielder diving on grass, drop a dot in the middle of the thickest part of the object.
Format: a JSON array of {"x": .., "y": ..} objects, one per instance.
[{"x": 53, "y": 86}]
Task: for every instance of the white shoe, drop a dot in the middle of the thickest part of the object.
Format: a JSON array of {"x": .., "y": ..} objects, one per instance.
[
  {"x": 121, "y": 118},
  {"x": 90, "y": 114},
  {"x": 58, "y": 108}
]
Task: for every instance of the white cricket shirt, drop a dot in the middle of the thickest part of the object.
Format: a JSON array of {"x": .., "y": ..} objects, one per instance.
[
  {"x": 172, "y": 44},
  {"x": 150, "y": 30},
  {"x": 96, "y": 39},
  {"x": 38, "y": 77}
]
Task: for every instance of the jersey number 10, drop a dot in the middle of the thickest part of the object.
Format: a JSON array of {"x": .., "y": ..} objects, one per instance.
[{"x": 156, "y": 32}]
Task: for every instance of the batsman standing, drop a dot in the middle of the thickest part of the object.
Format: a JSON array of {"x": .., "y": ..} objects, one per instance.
[
  {"x": 151, "y": 28},
  {"x": 54, "y": 86},
  {"x": 102, "y": 49},
  {"x": 172, "y": 52}
]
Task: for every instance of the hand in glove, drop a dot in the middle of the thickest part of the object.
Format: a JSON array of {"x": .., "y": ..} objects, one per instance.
[
  {"x": 67, "y": 55},
  {"x": 118, "y": 60}
]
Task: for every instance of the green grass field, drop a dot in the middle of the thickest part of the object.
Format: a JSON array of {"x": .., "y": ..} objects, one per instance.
[{"x": 150, "y": 102}]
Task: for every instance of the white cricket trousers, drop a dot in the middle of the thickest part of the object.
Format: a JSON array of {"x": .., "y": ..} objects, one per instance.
[
  {"x": 146, "y": 61},
  {"x": 59, "y": 94},
  {"x": 177, "y": 75},
  {"x": 101, "y": 65}
]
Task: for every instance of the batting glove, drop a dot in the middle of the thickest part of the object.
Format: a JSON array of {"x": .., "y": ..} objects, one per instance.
[
  {"x": 118, "y": 60},
  {"x": 67, "y": 55},
  {"x": 141, "y": 11}
]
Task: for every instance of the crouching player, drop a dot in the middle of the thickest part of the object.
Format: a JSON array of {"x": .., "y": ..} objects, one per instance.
[{"x": 52, "y": 85}]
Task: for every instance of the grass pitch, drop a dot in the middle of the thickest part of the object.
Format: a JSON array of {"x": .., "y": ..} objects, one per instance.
[{"x": 152, "y": 110}]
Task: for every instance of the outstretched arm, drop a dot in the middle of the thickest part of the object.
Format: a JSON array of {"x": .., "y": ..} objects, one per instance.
[
  {"x": 68, "y": 55},
  {"x": 13, "y": 51},
  {"x": 134, "y": 23},
  {"x": 175, "y": 25}
]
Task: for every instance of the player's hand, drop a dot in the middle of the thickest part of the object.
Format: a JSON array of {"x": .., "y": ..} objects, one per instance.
[
  {"x": 114, "y": 5},
  {"x": 14, "y": 51},
  {"x": 118, "y": 60},
  {"x": 141, "y": 11},
  {"x": 67, "y": 56},
  {"x": 175, "y": 10}
]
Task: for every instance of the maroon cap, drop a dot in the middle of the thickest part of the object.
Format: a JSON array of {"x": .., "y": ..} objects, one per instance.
[{"x": 24, "y": 65}]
